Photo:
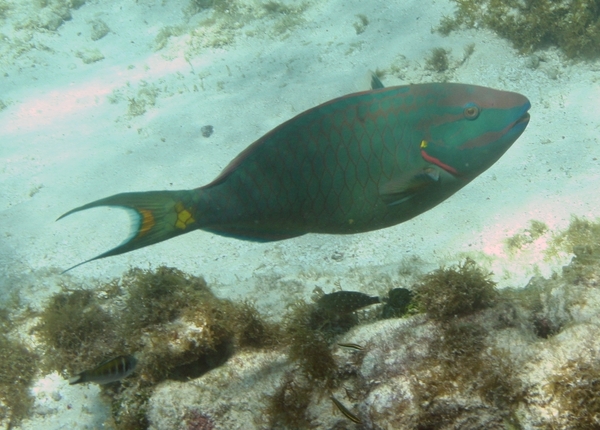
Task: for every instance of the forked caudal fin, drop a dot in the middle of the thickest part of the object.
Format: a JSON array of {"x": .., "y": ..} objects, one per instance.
[{"x": 157, "y": 216}]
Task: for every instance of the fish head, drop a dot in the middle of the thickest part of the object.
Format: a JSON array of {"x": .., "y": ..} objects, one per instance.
[{"x": 470, "y": 127}]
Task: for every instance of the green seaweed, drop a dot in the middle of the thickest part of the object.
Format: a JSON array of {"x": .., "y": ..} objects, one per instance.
[
  {"x": 252, "y": 330},
  {"x": 224, "y": 6},
  {"x": 310, "y": 332},
  {"x": 468, "y": 51},
  {"x": 581, "y": 238},
  {"x": 310, "y": 335},
  {"x": 4, "y": 9},
  {"x": 196, "y": 6},
  {"x": 129, "y": 405},
  {"x": 159, "y": 296},
  {"x": 145, "y": 98},
  {"x": 361, "y": 25},
  {"x": 438, "y": 60},
  {"x": 160, "y": 305},
  {"x": 77, "y": 331},
  {"x": 18, "y": 366},
  {"x": 275, "y": 7},
  {"x": 526, "y": 236},
  {"x": 465, "y": 382},
  {"x": 577, "y": 388},
  {"x": 171, "y": 321},
  {"x": 456, "y": 291},
  {"x": 579, "y": 235},
  {"x": 571, "y": 25},
  {"x": 287, "y": 407}
]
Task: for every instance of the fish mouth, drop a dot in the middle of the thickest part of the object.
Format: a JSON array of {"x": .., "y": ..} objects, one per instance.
[
  {"x": 519, "y": 125},
  {"x": 523, "y": 119}
]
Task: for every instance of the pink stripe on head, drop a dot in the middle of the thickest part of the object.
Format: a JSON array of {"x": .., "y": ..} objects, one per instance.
[{"x": 460, "y": 95}]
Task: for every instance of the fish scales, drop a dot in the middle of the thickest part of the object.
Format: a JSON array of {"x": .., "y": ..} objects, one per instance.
[
  {"x": 357, "y": 163},
  {"x": 327, "y": 184}
]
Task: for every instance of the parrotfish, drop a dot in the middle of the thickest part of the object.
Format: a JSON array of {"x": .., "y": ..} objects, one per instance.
[
  {"x": 357, "y": 163},
  {"x": 110, "y": 370}
]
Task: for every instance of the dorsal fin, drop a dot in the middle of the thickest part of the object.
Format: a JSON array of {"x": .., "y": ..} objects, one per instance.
[{"x": 376, "y": 83}]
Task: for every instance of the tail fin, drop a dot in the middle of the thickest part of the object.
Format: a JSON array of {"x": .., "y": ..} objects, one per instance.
[{"x": 157, "y": 216}]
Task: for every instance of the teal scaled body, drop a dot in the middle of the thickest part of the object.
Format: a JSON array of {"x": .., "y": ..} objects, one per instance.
[{"x": 361, "y": 162}]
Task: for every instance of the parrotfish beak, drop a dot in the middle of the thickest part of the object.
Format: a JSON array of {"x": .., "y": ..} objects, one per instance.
[{"x": 519, "y": 125}]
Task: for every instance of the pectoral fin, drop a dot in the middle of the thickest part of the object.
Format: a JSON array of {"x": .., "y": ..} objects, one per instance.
[{"x": 404, "y": 187}]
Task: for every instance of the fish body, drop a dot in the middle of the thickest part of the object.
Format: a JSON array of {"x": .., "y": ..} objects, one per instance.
[
  {"x": 354, "y": 346},
  {"x": 345, "y": 411},
  {"x": 111, "y": 370},
  {"x": 357, "y": 163},
  {"x": 344, "y": 302}
]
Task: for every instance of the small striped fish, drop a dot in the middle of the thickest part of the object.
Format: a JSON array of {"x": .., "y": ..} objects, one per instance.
[
  {"x": 352, "y": 346},
  {"x": 344, "y": 410},
  {"x": 109, "y": 371}
]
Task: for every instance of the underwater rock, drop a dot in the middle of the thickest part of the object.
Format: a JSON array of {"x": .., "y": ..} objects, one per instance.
[
  {"x": 487, "y": 369},
  {"x": 99, "y": 29},
  {"x": 231, "y": 396},
  {"x": 480, "y": 358},
  {"x": 49, "y": 20}
]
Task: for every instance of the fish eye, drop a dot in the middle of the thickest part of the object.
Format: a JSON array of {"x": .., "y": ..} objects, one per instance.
[{"x": 471, "y": 111}]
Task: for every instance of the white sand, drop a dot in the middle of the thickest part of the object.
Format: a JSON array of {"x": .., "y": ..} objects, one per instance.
[{"x": 67, "y": 137}]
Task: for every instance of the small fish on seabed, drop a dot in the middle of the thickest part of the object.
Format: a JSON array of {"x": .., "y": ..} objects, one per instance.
[
  {"x": 108, "y": 371},
  {"x": 354, "y": 346},
  {"x": 344, "y": 410},
  {"x": 344, "y": 302}
]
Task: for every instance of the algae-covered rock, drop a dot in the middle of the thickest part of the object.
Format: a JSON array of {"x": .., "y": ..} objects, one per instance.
[
  {"x": 456, "y": 291},
  {"x": 486, "y": 364},
  {"x": 571, "y": 25}
]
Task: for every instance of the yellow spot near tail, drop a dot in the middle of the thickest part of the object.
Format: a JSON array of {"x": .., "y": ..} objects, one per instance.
[
  {"x": 184, "y": 216},
  {"x": 423, "y": 144},
  {"x": 147, "y": 221}
]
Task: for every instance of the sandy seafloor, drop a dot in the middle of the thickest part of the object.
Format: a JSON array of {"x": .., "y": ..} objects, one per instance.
[{"x": 70, "y": 133}]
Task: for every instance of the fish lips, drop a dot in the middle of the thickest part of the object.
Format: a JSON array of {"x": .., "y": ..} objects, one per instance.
[{"x": 521, "y": 122}]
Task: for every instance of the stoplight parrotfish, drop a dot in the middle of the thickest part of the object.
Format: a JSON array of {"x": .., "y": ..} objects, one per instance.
[
  {"x": 108, "y": 371},
  {"x": 357, "y": 163}
]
